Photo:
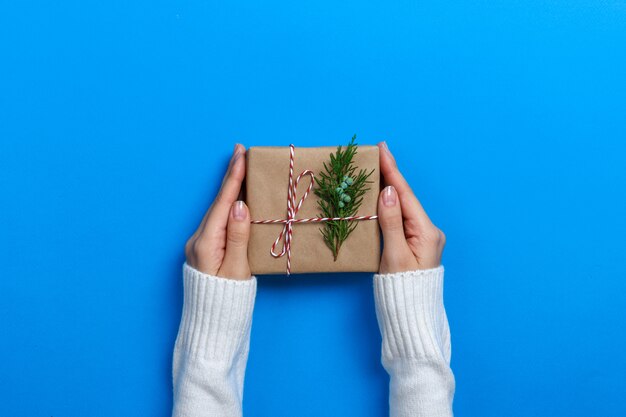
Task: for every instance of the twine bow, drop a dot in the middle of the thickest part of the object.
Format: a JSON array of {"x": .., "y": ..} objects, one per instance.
[{"x": 286, "y": 234}]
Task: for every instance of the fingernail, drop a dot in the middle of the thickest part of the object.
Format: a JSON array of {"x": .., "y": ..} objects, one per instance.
[
  {"x": 386, "y": 150},
  {"x": 236, "y": 152},
  {"x": 389, "y": 196},
  {"x": 239, "y": 210}
]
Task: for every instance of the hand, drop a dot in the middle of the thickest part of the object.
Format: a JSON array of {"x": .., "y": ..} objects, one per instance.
[
  {"x": 411, "y": 240},
  {"x": 220, "y": 245}
]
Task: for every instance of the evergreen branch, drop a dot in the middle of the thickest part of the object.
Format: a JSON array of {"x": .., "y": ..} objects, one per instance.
[{"x": 340, "y": 189}]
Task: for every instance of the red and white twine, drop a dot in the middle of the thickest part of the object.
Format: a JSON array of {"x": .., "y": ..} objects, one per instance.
[{"x": 286, "y": 234}]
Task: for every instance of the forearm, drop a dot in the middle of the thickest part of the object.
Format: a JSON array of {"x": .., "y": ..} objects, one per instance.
[
  {"x": 416, "y": 342},
  {"x": 211, "y": 349}
]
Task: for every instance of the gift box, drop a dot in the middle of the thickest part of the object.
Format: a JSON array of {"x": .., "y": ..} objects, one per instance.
[{"x": 293, "y": 232}]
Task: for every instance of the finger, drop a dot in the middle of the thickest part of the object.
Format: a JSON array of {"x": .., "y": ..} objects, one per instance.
[
  {"x": 233, "y": 159},
  {"x": 235, "y": 264},
  {"x": 390, "y": 220},
  {"x": 217, "y": 216},
  {"x": 231, "y": 184},
  {"x": 412, "y": 209}
]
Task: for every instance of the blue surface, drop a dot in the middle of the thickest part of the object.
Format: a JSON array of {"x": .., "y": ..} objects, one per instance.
[{"x": 116, "y": 122}]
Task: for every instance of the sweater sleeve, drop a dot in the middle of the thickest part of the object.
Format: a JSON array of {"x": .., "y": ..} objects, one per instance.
[
  {"x": 211, "y": 349},
  {"x": 416, "y": 342}
]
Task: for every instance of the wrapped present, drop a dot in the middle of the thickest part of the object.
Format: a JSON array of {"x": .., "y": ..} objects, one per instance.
[{"x": 313, "y": 209}]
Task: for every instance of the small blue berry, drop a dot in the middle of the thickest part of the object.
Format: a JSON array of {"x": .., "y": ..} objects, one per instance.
[
  {"x": 349, "y": 181},
  {"x": 339, "y": 190},
  {"x": 344, "y": 185},
  {"x": 341, "y": 205},
  {"x": 346, "y": 198}
]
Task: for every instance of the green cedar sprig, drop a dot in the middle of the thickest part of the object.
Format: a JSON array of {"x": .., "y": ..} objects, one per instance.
[{"x": 340, "y": 188}]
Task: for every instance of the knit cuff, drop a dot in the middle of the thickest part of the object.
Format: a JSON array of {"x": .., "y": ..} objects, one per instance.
[
  {"x": 411, "y": 315},
  {"x": 217, "y": 314}
]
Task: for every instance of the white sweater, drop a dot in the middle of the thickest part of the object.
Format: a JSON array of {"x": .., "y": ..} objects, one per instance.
[{"x": 213, "y": 341}]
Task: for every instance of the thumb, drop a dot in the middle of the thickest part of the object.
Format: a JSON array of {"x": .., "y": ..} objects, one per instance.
[
  {"x": 235, "y": 264},
  {"x": 397, "y": 255}
]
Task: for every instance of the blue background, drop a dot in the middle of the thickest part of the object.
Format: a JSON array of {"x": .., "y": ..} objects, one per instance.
[{"x": 117, "y": 119}]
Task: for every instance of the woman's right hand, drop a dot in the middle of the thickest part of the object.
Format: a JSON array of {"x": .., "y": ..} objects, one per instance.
[{"x": 410, "y": 240}]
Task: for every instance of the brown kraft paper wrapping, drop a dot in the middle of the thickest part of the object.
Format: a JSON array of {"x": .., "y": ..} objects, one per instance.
[{"x": 267, "y": 179}]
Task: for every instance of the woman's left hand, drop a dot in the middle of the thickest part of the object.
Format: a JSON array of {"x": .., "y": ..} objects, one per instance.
[{"x": 220, "y": 245}]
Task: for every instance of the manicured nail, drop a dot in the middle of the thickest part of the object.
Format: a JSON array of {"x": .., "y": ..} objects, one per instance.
[
  {"x": 239, "y": 210},
  {"x": 386, "y": 150},
  {"x": 236, "y": 154},
  {"x": 389, "y": 196}
]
